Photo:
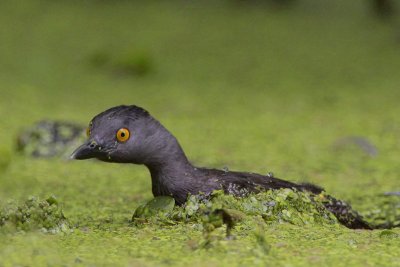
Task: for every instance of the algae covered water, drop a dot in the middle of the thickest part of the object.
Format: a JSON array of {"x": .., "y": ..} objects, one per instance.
[{"x": 308, "y": 91}]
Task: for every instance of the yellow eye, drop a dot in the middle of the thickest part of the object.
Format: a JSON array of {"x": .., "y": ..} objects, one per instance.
[{"x": 123, "y": 135}]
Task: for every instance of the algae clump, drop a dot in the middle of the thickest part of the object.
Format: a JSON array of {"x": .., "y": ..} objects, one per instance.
[
  {"x": 33, "y": 214},
  {"x": 218, "y": 209}
]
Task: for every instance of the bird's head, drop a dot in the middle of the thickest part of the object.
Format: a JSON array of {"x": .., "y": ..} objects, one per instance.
[{"x": 124, "y": 134}]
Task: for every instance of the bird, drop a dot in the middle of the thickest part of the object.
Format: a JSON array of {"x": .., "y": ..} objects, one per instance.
[{"x": 129, "y": 134}]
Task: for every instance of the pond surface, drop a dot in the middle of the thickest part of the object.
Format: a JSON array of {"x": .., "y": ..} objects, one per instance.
[{"x": 248, "y": 87}]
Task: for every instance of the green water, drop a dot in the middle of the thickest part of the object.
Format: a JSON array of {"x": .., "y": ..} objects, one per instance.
[{"x": 249, "y": 87}]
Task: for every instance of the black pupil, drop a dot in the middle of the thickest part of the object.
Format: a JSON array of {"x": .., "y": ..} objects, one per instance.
[{"x": 122, "y": 134}]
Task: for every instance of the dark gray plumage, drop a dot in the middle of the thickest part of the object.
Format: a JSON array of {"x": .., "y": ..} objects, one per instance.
[{"x": 171, "y": 172}]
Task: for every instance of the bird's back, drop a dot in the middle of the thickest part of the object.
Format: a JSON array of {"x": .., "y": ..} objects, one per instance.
[{"x": 242, "y": 183}]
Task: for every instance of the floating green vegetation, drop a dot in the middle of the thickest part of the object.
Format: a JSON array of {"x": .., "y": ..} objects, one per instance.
[
  {"x": 33, "y": 214},
  {"x": 386, "y": 211},
  {"x": 223, "y": 217},
  {"x": 273, "y": 206},
  {"x": 50, "y": 138}
]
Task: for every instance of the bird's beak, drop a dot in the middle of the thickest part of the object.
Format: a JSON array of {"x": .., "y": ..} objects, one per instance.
[{"x": 86, "y": 151}]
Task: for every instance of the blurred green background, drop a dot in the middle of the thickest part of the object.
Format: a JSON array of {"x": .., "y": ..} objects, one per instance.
[{"x": 260, "y": 86}]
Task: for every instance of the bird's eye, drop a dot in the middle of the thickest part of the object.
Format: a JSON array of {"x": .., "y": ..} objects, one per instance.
[
  {"x": 88, "y": 131},
  {"x": 123, "y": 135}
]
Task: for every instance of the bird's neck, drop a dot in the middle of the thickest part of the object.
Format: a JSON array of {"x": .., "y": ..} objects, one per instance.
[
  {"x": 168, "y": 168},
  {"x": 171, "y": 163}
]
